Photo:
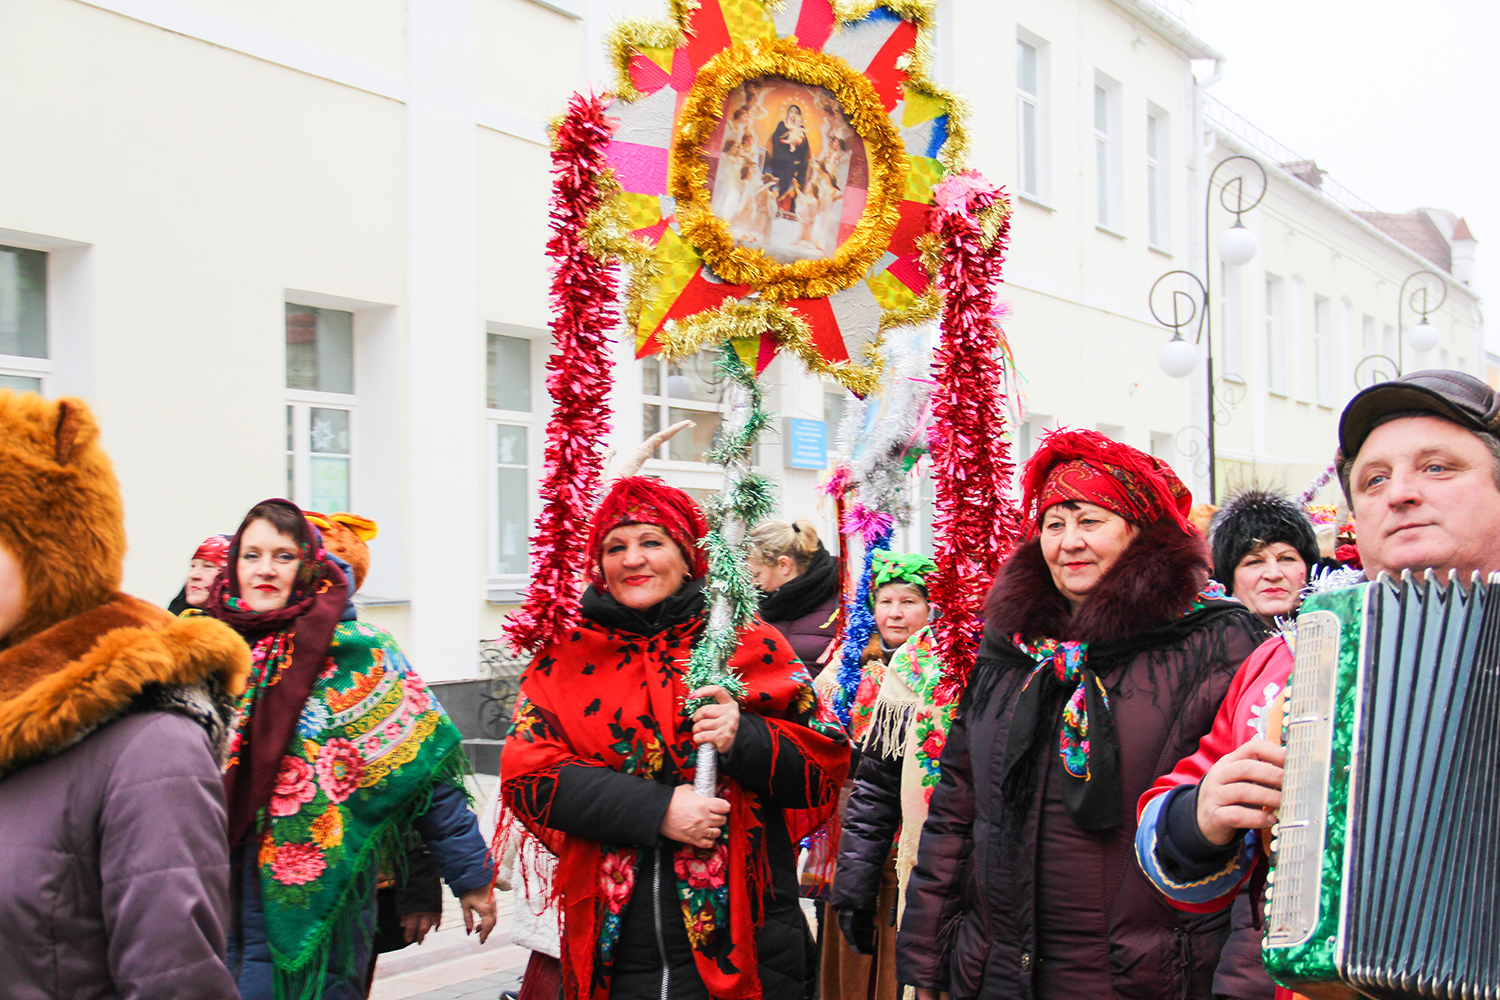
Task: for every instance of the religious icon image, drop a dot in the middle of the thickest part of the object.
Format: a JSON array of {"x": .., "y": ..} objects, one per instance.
[{"x": 787, "y": 173}]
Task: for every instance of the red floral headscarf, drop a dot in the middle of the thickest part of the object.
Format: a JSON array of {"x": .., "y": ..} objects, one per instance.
[
  {"x": 643, "y": 500},
  {"x": 215, "y": 549},
  {"x": 1087, "y": 466}
]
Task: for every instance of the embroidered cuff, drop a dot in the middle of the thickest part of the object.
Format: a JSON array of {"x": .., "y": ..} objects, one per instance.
[{"x": 1182, "y": 876}]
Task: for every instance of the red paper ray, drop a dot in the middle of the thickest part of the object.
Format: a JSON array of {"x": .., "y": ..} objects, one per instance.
[
  {"x": 882, "y": 71},
  {"x": 826, "y": 336},
  {"x": 814, "y": 23}
]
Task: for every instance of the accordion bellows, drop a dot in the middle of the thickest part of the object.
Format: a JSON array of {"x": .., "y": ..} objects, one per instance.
[{"x": 1385, "y": 877}]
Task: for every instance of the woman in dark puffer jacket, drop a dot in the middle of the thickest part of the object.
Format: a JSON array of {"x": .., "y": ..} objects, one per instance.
[
  {"x": 800, "y": 583},
  {"x": 1104, "y": 659}
]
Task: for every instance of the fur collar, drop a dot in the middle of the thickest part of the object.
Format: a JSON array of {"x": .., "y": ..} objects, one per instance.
[
  {"x": 123, "y": 656},
  {"x": 1154, "y": 581}
]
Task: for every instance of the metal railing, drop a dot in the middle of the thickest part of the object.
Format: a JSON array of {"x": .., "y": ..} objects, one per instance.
[
  {"x": 504, "y": 672},
  {"x": 1233, "y": 123}
]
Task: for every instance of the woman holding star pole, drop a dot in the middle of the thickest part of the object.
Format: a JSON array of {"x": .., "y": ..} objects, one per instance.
[{"x": 665, "y": 892}]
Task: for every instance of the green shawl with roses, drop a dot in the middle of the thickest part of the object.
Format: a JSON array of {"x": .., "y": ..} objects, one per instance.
[{"x": 370, "y": 744}]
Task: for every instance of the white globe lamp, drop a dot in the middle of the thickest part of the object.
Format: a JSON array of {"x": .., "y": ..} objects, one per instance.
[
  {"x": 1237, "y": 245},
  {"x": 1422, "y": 337},
  {"x": 1178, "y": 358}
]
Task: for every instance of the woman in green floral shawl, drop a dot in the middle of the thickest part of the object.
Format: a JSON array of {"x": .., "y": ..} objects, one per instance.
[{"x": 338, "y": 750}]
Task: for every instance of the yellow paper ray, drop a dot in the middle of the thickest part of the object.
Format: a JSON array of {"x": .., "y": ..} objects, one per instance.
[
  {"x": 890, "y": 293},
  {"x": 640, "y": 210},
  {"x": 677, "y": 262},
  {"x": 662, "y": 57},
  {"x": 921, "y": 107},
  {"x": 923, "y": 175},
  {"x": 747, "y": 21},
  {"x": 748, "y": 348}
]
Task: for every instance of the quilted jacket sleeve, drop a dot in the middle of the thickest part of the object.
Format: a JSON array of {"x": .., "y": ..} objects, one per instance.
[
  {"x": 934, "y": 892},
  {"x": 164, "y": 866},
  {"x": 871, "y": 822}
]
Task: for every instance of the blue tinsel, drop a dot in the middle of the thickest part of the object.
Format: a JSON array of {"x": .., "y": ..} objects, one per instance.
[{"x": 857, "y": 633}]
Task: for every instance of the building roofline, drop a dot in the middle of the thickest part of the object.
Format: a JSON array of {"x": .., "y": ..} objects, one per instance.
[
  {"x": 1169, "y": 27},
  {"x": 1273, "y": 170}
]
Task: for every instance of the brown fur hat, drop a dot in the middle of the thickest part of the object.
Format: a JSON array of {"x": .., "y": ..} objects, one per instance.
[
  {"x": 60, "y": 510},
  {"x": 344, "y": 535}
]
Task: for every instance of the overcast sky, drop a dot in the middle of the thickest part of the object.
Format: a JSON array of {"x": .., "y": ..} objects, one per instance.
[{"x": 1398, "y": 101}]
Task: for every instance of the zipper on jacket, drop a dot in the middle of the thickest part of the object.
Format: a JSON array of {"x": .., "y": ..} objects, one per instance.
[{"x": 661, "y": 944}]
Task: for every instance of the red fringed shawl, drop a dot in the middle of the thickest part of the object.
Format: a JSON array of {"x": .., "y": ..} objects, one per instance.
[{"x": 612, "y": 699}]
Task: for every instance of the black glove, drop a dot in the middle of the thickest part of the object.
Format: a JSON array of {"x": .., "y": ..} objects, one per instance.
[{"x": 859, "y": 930}]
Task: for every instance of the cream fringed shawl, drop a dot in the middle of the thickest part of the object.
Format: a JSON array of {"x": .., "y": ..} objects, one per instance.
[{"x": 909, "y": 720}]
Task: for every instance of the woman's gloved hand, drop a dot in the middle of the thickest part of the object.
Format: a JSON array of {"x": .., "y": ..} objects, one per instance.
[{"x": 859, "y": 930}]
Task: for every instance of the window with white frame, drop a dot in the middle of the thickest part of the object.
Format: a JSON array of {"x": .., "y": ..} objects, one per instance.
[
  {"x": 1388, "y": 340},
  {"x": 1323, "y": 350},
  {"x": 1107, "y": 162},
  {"x": 1369, "y": 336},
  {"x": 508, "y": 405},
  {"x": 24, "y": 364},
  {"x": 687, "y": 389},
  {"x": 1158, "y": 179},
  {"x": 1275, "y": 335},
  {"x": 1033, "y": 126},
  {"x": 1164, "y": 446},
  {"x": 1029, "y": 435},
  {"x": 1232, "y": 319},
  {"x": 320, "y": 406}
]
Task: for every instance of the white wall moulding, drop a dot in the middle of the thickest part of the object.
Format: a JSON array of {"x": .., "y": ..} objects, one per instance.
[
  {"x": 194, "y": 22},
  {"x": 510, "y": 122}
]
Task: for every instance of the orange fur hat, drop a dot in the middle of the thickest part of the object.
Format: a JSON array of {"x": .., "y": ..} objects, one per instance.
[
  {"x": 60, "y": 509},
  {"x": 344, "y": 535}
]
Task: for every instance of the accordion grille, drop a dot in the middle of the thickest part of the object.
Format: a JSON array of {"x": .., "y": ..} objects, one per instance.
[{"x": 1295, "y": 904}]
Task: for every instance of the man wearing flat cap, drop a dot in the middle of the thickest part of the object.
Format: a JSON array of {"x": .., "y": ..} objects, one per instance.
[{"x": 1419, "y": 462}]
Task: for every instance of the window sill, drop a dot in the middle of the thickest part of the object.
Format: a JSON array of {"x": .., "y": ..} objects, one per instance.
[
  {"x": 1031, "y": 199},
  {"x": 504, "y": 591},
  {"x": 1234, "y": 377},
  {"x": 1161, "y": 250},
  {"x": 1110, "y": 232},
  {"x": 1280, "y": 393},
  {"x": 371, "y": 601}
]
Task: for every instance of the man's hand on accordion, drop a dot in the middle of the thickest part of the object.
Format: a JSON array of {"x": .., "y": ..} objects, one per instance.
[{"x": 1242, "y": 791}]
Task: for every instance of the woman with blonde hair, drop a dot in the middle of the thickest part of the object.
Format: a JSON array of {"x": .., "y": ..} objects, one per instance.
[{"x": 800, "y": 581}]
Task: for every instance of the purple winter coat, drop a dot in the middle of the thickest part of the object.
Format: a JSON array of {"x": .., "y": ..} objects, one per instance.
[
  {"x": 114, "y": 859},
  {"x": 803, "y": 610},
  {"x": 114, "y": 867}
]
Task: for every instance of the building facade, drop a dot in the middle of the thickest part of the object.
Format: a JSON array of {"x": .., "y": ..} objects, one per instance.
[{"x": 296, "y": 249}]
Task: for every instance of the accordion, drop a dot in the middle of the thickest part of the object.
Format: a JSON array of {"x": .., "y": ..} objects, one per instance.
[{"x": 1385, "y": 860}]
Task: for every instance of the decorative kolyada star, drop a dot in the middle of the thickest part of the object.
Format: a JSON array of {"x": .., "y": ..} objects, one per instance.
[{"x": 776, "y": 164}]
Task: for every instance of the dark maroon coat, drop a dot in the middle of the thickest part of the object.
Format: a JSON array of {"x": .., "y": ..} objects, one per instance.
[{"x": 977, "y": 886}]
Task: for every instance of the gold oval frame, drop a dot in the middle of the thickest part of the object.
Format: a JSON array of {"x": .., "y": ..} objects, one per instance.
[{"x": 688, "y": 179}]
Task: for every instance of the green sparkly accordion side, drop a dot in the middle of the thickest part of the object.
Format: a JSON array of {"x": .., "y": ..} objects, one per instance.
[{"x": 1317, "y": 957}]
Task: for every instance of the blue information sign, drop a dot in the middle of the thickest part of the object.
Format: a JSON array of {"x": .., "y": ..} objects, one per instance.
[{"x": 806, "y": 444}]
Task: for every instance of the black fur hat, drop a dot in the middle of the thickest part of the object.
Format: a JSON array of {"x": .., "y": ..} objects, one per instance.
[{"x": 1256, "y": 517}]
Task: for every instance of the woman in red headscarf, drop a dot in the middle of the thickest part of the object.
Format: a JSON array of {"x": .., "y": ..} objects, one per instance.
[
  {"x": 1106, "y": 654},
  {"x": 208, "y": 559},
  {"x": 664, "y": 893}
]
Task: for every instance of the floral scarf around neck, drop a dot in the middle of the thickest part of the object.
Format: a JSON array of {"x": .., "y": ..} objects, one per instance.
[
  {"x": 369, "y": 745},
  {"x": 1087, "y": 745},
  {"x": 605, "y": 698}
]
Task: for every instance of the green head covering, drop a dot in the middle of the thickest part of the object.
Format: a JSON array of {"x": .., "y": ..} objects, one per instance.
[{"x": 900, "y": 567}]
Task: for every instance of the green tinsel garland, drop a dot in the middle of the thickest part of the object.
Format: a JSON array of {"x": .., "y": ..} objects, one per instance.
[{"x": 747, "y": 500}]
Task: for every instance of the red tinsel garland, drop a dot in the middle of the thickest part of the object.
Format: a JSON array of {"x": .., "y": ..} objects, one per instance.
[
  {"x": 975, "y": 525},
  {"x": 584, "y": 295}
]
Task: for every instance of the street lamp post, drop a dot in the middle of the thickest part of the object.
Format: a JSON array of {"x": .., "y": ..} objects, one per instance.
[
  {"x": 1237, "y": 246},
  {"x": 1423, "y": 336}
]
